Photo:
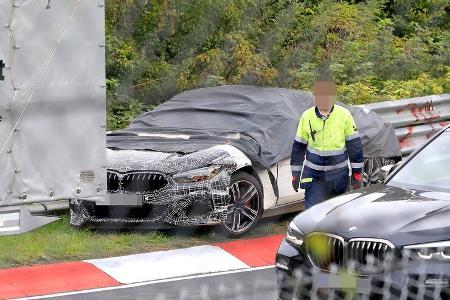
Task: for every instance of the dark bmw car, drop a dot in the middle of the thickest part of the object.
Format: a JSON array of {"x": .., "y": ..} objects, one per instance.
[{"x": 389, "y": 240}]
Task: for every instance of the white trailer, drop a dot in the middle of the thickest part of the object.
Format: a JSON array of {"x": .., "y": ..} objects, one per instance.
[{"x": 52, "y": 106}]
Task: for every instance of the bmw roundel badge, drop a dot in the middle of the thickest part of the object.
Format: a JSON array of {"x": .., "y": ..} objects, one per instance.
[{"x": 352, "y": 228}]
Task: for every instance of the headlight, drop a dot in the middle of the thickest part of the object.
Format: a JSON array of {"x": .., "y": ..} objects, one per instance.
[
  {"x": 294, "y": 235},
  {"x": 429, "y": 251},
  {"x": 197, "y": 174}
]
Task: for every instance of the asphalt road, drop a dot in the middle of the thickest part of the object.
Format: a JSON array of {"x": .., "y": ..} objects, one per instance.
[{"x": 257, "y": 284}]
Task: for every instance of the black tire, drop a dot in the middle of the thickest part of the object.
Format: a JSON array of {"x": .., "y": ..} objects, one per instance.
[{"x": 246, "y": 214}]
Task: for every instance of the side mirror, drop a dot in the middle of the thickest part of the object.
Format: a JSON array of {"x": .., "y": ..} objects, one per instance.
[{"x": 385, "y": 170}]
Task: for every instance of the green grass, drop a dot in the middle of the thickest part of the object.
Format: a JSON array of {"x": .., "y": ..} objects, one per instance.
[{"x": 58, "y": 241}]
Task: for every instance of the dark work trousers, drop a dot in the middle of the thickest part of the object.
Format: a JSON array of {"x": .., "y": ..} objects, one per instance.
[{"x": 320, "y": 190}]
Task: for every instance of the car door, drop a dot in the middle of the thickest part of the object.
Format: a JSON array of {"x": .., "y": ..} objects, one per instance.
[{"x": 284, "y": 182}]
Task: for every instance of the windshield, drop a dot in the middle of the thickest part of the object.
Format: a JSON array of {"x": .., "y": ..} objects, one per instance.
[{"x": 429, "y": 169}]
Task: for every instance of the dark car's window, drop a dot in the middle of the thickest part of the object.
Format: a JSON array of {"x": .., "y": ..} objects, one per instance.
[{"x": 429, "y": 169}]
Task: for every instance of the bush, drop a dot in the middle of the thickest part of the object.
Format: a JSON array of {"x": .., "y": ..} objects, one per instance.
[
  {"x": 120, "y": 113},
  {"x": 375, "y": 50}
]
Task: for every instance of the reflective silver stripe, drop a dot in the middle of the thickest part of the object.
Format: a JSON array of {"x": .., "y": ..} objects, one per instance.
[
  {"x": 296, "y": 168},
  {"x": 327, "y": 153},
  {"x": 352, "y": 136},
  {"x": 326, "y": 168},
  {"x": 357, "y": 165},
  {"x": 301, "y": 140}
]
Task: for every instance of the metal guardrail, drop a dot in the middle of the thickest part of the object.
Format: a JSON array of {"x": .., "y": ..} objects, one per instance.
[{"x": 416, "y": 119}]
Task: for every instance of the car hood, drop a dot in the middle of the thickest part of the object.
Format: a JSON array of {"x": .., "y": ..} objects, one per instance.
[
  {"x": 402, "y": 216},
  {"x": 168, "y": 163}
]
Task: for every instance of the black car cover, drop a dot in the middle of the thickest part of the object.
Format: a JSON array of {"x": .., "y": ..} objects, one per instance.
[{"x": 261, "y": 122}]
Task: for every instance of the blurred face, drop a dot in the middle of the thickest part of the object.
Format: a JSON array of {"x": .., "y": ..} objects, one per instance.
[{"x": 324, "y": 95}]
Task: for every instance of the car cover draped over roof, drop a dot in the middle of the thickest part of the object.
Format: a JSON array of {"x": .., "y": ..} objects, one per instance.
[{"x": 261, "y": 122}]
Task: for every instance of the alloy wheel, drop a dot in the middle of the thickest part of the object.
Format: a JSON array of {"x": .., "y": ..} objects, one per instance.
[{"x": 244, "y": 206}]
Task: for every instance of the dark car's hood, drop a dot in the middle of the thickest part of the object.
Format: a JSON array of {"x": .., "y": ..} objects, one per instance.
[
  {"x": 168, "y": 163},
  {"x": 402, "y": 216}
]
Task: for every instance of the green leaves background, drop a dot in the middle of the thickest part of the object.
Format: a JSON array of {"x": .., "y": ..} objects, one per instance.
[{"x": 375, "y": 50}]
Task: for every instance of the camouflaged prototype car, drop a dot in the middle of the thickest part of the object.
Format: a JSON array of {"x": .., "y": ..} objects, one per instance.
[{"x": 213, "y": 156}]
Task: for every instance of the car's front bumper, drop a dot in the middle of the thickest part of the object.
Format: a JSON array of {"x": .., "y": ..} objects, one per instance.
[
  {"x": 297, "y": 278},
  {"x": 177, "y": 204}
]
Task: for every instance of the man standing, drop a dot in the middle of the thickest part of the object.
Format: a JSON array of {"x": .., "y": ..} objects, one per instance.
[{"x": 326, "y": 139}]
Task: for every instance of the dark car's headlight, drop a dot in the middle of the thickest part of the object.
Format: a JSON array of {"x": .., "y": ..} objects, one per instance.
[
  {"x": 197, "y": 174},
  {"x": 294, "y": 235},
  {"x": 430, "y": 251}
]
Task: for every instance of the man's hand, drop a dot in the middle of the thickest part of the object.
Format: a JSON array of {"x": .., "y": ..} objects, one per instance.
[
  {"x": 295, "y": 183},
  {"x": 357, "y": 181}
]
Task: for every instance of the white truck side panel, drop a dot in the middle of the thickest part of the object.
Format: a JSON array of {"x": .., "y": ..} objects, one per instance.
[{"x": 52, "y": 100}]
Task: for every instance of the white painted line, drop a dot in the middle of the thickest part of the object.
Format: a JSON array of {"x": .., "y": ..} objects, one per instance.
[
  {"x": 139, "y": 284},
  {"x": 168, "y": 264}
]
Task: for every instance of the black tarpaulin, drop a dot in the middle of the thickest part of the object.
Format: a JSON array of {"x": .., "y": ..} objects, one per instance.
[{"x": 261, "y": 122}]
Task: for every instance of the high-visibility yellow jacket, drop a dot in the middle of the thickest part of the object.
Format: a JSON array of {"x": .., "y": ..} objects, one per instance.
[{"x": 323, "y": 147}]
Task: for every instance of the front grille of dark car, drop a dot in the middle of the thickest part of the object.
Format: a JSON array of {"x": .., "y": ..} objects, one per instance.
[
  {"x": 136, "y": 182},
  {"x": 369, "y": 256},
  {"x": 325, "y": 250},
  {"x": 363, "y": 256}
]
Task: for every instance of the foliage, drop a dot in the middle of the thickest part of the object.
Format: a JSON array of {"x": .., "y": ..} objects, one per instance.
[
  {"x": 119, "y": 113},
  {"x": 374, "y": 49}
]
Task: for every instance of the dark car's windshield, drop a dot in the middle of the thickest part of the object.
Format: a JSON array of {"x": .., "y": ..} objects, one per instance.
[{"x": 429, "y": 169}]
